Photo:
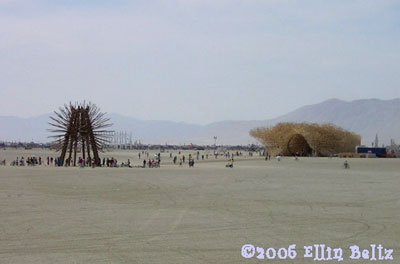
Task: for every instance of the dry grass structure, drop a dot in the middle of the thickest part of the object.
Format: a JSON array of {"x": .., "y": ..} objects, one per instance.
[
  {"x": 79, "y": 127},
  {"x": 305, "y": 139}
]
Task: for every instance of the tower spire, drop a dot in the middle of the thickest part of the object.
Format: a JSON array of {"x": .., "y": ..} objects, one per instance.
[{"x": 376, "y": 141}]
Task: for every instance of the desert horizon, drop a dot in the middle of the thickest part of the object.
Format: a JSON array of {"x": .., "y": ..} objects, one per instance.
[{"x": 368, "y": 123}]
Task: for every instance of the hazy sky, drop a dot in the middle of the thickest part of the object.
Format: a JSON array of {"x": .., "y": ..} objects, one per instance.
[{"x": 196, "y": 60}]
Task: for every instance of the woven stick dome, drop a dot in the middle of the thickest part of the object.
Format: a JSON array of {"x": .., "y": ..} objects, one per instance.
[{"x": 305, "y": 139}]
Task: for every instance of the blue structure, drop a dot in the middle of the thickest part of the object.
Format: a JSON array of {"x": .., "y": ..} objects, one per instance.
[{"x": 379, "y": 152}]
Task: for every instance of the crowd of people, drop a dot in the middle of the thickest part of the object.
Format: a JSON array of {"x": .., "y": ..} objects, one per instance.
[
  {"x": 32, "y": 161},
  {"x": 147, "y": 161}
]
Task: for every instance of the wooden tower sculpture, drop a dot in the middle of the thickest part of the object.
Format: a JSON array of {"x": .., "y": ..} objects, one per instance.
[{"x": 79, "y": 127}]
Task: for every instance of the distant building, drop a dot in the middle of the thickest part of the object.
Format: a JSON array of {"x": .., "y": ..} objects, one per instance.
[
  {"x": 393, "y": 149},
  {"x": 379, "y": 152}
]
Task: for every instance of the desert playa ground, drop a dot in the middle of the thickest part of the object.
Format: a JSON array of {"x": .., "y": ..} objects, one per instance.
[{"x": 203, "y": 214}]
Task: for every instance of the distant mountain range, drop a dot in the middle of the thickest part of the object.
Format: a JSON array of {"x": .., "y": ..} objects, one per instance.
[{"x": 364, "y": 117}]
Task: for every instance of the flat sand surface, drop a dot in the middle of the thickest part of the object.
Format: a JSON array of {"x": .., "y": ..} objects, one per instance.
[{"x": 203, "y": 214}]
